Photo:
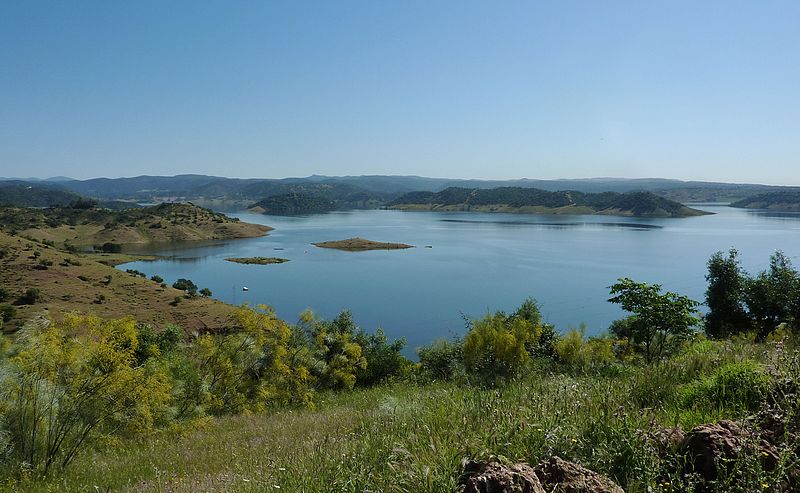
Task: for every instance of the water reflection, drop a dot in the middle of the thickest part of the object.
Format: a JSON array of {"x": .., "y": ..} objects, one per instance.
[{"x": 561, "y": 225}]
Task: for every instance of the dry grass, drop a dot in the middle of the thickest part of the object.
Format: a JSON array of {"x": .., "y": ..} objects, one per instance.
[{"x": 87, "y": 283}]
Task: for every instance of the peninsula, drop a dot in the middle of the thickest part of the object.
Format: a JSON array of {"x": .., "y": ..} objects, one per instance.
[{"x": 94, "y": 226}]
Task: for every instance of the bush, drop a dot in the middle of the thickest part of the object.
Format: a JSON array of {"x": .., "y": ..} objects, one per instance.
[
  {"x": 335, "y": 355},
  {"x": 4, "y": 294},
  {"x": 30, "y": 297},
  {"x": 185, "y": 285},
  {"x": 579, "y": 354},
  {"x": 7, "y": 312},
  {"x": 157, "y": 278},
  {"x": 442, "y": 360},
  {"x": 92, "y": 386},
  {"x": 109, "y": 247},
  {"x": 497, "y": 346},
  {"x": 384, "y": 360},
  {"x": 740, "y": 386}
]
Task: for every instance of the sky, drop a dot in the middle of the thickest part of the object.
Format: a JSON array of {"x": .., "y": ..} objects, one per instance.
[{"x": 464, "y": 89}]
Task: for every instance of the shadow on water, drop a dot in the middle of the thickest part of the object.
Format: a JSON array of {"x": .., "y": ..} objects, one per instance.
[{"x": 562, "y": 225}]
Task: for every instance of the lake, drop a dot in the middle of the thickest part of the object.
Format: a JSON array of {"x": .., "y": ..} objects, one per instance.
[{"x": 477, "y": 263}]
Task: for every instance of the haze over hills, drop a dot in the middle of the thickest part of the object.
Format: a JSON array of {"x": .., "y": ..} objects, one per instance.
[
  {"x": 318, "y": 193},
  {"x": 214, "y": 186}
]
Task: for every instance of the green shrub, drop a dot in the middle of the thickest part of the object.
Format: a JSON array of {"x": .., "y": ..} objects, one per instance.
[
  {"x": 157, "y": 278},
  {"x": 7, "y": 312},
  {"x": 384, "y": 360},
  {"x": 578, "y": 354},
  {"x": 4, "y": 294},
  {"x": 30, "y": 297},
  {"x": 497, "y": 346},
  {"x": 442, "y": 360},
  {"x": 111, "y": 247},
  {"x": 740, "y": 386},
  {"x": 186, "y": 285}
]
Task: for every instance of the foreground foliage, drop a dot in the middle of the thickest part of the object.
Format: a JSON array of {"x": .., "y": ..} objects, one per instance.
[{"x": 412, "y": 437}]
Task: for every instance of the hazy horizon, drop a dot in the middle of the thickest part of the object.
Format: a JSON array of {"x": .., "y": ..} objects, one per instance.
[
  {"x": 54, "y": 179},
  {"x": 568, "y": 90}
]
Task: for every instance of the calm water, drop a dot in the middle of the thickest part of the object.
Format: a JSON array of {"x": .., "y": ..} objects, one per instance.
[{"x": 477, "y": 263}]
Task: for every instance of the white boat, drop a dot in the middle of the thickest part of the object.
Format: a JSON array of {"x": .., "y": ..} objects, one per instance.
[{"x": 245, "y": 288}]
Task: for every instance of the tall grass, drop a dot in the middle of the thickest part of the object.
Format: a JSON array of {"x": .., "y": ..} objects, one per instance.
[{"x": 413, "y": 437}]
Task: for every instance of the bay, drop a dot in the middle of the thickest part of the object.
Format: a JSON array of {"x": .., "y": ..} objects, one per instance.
[{"x": 468, "y": 264}]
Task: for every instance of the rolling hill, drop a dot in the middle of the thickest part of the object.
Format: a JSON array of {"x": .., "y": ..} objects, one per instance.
[{"x": 532, "y": 200}]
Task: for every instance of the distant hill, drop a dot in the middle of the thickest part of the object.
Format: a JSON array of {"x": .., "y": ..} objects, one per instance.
[
  {"x": 532, "y": 200},
  {"x": 369, "y": 191},
  {"x": 783, "y": 200},
  {"x": 95, "y": 226},
  {"x": 292, "y": 204},
  {"x": 25, "y": 194}
]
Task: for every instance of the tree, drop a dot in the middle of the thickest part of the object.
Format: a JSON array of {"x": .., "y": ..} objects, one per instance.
[
  {"x": 661, "y": 318},
  {"x": 384, "y": 359},
  {"x": 185, "y": 285},
  {"x": 725, "y": 296},
  {"x": 205, "y": 292},
  {"x": 773, "y": 296}
]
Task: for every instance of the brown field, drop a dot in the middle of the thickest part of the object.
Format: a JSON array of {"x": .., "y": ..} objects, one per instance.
[{"x": 87, "y": 283}]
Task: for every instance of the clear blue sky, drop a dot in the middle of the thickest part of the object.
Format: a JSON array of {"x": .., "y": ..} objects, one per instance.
[{"x": 689, "y": 90}]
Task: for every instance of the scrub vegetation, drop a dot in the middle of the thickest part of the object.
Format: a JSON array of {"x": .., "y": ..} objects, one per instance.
[{"x": 322, "y": 405}]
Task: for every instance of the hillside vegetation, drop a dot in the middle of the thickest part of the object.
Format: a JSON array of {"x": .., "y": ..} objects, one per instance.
[
  {"x": 783, "y": 200},
  {"x": 23, "y": 194},
  {"x": 39, "y": 280},
  {"x": 93, "y": 226},
  {"x": 532, "y": 200},
  {"x": 321, "y": 405},
  {"x": 293, "y": 204}
]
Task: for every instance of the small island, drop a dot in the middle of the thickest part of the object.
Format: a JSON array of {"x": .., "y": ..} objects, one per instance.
[
  {"x": 257, "y": 260},
  {"x": 361, "y": 245}
]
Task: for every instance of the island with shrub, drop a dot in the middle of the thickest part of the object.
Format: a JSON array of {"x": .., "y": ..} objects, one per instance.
[{"x": 361, "y": 245}]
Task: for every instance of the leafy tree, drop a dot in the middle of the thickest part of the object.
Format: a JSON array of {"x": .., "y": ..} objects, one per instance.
[
  {"x": 661, "y": 318},
  {"x": 773, "y": 296},
  {"x": 384, "y": 359},
  {"x": 544, "y": 345},
  {"x": 185, "y": 285},
  {"x": 725, "y": 296},
  {"x": 205, "y": 292}
]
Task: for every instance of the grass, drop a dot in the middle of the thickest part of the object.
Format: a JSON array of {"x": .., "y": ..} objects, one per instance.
[
  {"x": 413, "y": 437},
  {"x": 360, "y": 245}
]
